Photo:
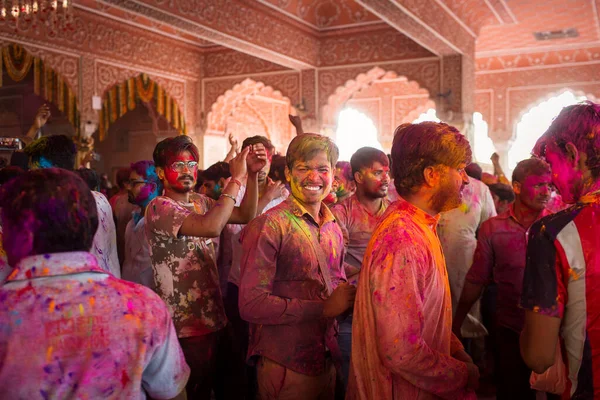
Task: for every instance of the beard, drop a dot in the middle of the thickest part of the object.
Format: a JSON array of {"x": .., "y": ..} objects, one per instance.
[{"x": 446, "y": 198}]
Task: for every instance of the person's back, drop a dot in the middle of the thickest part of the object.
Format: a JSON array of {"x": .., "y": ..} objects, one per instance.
[{"x": 69, "y": 329}]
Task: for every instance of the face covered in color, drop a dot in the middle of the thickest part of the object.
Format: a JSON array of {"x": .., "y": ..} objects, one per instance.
[
  {"x": 310, "y": 180},
  {"x": 375, "y": 180},
  {"x": 449, "y": 191},
  {"x": 534, "y": 192},
  {"x": 181, "y": 172},
  {"x": 565, "y": 176},
  {"x": 341, "y": 186},
  {"x": 140, "y": 191},
  {"x": 213, "y": 189}
]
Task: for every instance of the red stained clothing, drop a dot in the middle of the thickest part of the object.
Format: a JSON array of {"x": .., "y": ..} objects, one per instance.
[
  {"x": 283, "y": 287},
  {"x": 68, "y": 329},
  {"x": 402, "y": 343},
  {"x": 500, "y": 258},
  {"x": 357, "y": 225}
]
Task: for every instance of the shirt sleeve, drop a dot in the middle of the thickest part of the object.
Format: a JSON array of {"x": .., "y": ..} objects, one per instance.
[
  {"x": 481, "y": 271},
  {"x": 167, "y": 373},
  {"x": 399, "y": 319},
  {"x": 544, "y": 290},
  {"x": 261, "y": 243},
  {"x": 165, "y": 217}
]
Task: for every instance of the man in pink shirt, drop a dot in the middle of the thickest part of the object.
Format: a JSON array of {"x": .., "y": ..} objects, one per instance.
[
  {"x": 69, "y": 329},
  {"x": 402, "y": 341},
  {"x": 358, "y": 216}
]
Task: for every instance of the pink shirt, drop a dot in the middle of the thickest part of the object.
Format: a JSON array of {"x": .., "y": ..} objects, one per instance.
[
  {"x": 68, "y": 329},
  {"x": 402, "y": 341}
]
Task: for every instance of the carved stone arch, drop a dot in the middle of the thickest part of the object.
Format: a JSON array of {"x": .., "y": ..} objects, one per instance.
[{"x": 247, "y": 94}]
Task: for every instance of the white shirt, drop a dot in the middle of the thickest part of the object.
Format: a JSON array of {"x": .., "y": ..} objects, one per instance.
[
  {"x": 457, "y": 230},
  {"x": 105, "y": 240},
  {"x": 137, "y": 266}
]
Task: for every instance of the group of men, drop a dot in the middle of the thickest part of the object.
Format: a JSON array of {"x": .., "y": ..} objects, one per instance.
[{"x": 261, "y": 289}]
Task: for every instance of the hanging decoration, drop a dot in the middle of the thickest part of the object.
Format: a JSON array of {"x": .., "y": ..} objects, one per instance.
[
  {"x": 124, "y": 97},
  {"x": 47, "y": 83},
  {"x": 53, "y": 13}
]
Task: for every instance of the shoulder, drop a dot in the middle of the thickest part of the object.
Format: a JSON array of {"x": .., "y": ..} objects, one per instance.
[{"x": 101, "y": 200}]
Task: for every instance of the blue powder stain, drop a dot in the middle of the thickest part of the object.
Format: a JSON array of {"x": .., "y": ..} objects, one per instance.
[
  {"x": 18, "y": 322},
  {"x": 47, "y": 369},
  {"x": 44, "y": 394},
  {"x": 47, "y": 256}
]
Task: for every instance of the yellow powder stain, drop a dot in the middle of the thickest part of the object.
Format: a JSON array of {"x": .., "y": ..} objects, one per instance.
[
  {"x": 81, "y": 308},
  {"x": 573, "y": 274},
  {"x": 92, "y": 301},
  {"x": 49, "y": 354},
  {"x": 51, "y": 306}
]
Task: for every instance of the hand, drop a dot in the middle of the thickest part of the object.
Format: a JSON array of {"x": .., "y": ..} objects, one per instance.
[
  {"x": 473, "y": 381},
  {"x": 257, "y": 158},
  {"x": 237, "y": 166},
  {"x": 42, "y": 116},
  {"x": 341, "y": 299},
  {"x": 495, "y": 158},
  {"x": 297, "y": 122},
  {"x": 274, "y": 190},
  {"x": 233, "y": 141}
]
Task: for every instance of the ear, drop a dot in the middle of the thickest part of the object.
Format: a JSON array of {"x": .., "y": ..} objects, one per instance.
[
  {"x": 572, "y": 154},
  {"x": 358, "y": 177},
  {"x": 431, "y": 176},
  {"x": 160, "y": 172},
  {"x": 288, "y": 174},
  {"x": 222, "y": 182},
  {"x": 516, "y": 187}
]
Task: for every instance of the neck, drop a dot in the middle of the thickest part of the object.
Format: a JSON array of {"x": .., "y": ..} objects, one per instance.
[
  {"x": 181, "y": 197},
  {"x": 262, "y": 187},
  {"x": 313, "y": 209},
  {"x": 373, "y": 204},
  {"x": 525, "y": 215},
  {"x": 421, "y": 201}
]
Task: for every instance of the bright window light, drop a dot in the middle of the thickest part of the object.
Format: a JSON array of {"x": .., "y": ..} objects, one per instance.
[
  {"x": 484, "y": 147},
  {"x": 534, "y": 123},
  {"x": 429, "y": 115},
  {"x": 355, "y": 130}
]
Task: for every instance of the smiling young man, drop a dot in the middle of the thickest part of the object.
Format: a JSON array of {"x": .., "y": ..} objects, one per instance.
[
  {"x": 500, "y": 258},
  {"x": 292, "y": 280},
  {"x": 402, "y": 341},
  {"x": 561, "y": 287},
  {"x": 178, "y": 226},
  {"x": 358, "y": 216}
]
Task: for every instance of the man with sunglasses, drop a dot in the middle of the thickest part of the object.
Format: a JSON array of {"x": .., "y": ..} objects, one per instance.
[{"x": 178, "y": 226}]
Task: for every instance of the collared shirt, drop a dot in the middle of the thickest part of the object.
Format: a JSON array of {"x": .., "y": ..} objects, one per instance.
[
  {"x": 357, "y": 225},
  {"x": 500, "y": 258},
  {"x": 283, "y": 288},
  {"x": 68, "y": 329},
  {"x": 105, "y": 240},
  {"x": 562, "y": 280},
  {"x": 402, "y": 341},
  {"x": 137, "y": 266},
  {"x": 185, "y": 267}
]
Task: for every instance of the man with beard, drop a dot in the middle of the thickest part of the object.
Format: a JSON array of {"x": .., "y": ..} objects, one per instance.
[
  {"x": 144, "y": 186},
  {"x": 358, "y": 216},
  {"x": 292, "y": 280},
  {"x": 402, "y": 341},
  {"x": 500, "y": 258},
  {"x": 561, "y": 285},
  {"x": 178, "y": 226}
]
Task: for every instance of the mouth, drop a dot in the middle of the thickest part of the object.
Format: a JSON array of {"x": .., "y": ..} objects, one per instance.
[{"x": 313, "y": 188}]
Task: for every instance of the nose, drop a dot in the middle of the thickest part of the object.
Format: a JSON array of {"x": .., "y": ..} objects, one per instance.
[{"x": 465, "y": 177}]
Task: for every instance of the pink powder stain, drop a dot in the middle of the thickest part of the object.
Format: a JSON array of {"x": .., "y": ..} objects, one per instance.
[
  {"x": 413, "y": 338},
  {"x": 124, "y": 378}
]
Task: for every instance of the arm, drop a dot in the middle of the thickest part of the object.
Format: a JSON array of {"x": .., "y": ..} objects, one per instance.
[
  {"x": 297, "y": 122},
  {"x": 256, "y": 160},
  {"x": 399, "y": 318},
  {"x": 261, "y": 244},
  {"x": 498, "y": 169},
  {"x": 479, "y": 276},
  {"x": 233, "y": 150},
  {"x": 538, "y": 341},
  {"x": 41, "y": 117},
  {"x": 341, "y": 216},
  {"x": 273, "y": 191}
]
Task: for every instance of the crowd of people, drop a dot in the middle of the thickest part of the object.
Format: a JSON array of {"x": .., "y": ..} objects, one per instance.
[{"x": 412, "y": 275}]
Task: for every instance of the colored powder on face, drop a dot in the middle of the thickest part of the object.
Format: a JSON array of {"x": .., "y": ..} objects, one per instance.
[{"x": 92, "y": 301}]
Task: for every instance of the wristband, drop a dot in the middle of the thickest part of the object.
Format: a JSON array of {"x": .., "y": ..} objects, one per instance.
[
  {"x": 236, "y": 182},
  {"x": 229, "y": 196}
]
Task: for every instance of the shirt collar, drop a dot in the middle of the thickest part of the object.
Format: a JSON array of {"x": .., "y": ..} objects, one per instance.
[
  {"x": 510, "y": 213},
  {"x": 299, "y": 210},
  {"x": 421, "y": 216},
  {"x": 54, "y": 264}
]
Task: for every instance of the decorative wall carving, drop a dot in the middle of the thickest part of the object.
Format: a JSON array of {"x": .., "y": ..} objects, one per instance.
[
  {"x": 231, "y": 62},
  {"x": 537, "y": 59}
]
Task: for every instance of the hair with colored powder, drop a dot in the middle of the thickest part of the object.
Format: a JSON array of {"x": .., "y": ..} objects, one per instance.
[
  {"x": 216, "y": 171},
  {"x": 147, "y": 170},
  {"x": 90, "y": 177},
  {"x": 171, "y": 147},
  {"x": 578, "y": 124},
  {"x": 531, "y": 166},
  {"x": 8, "y": 173},
  {"x": 306, "y": 146},
  {"x": 346, "y": 170},
  {"x": 52, "y": 209},
  {"x": 474, "y": 171},
  {"x": 503, "y": 191},
  {"x": 259, "y": 140},
  {"x": 423, "y": 145},
  {"x": 52, "y": 151},
  {"x": 123, "y": 177},
  {"x": 365, "y": 157}
]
